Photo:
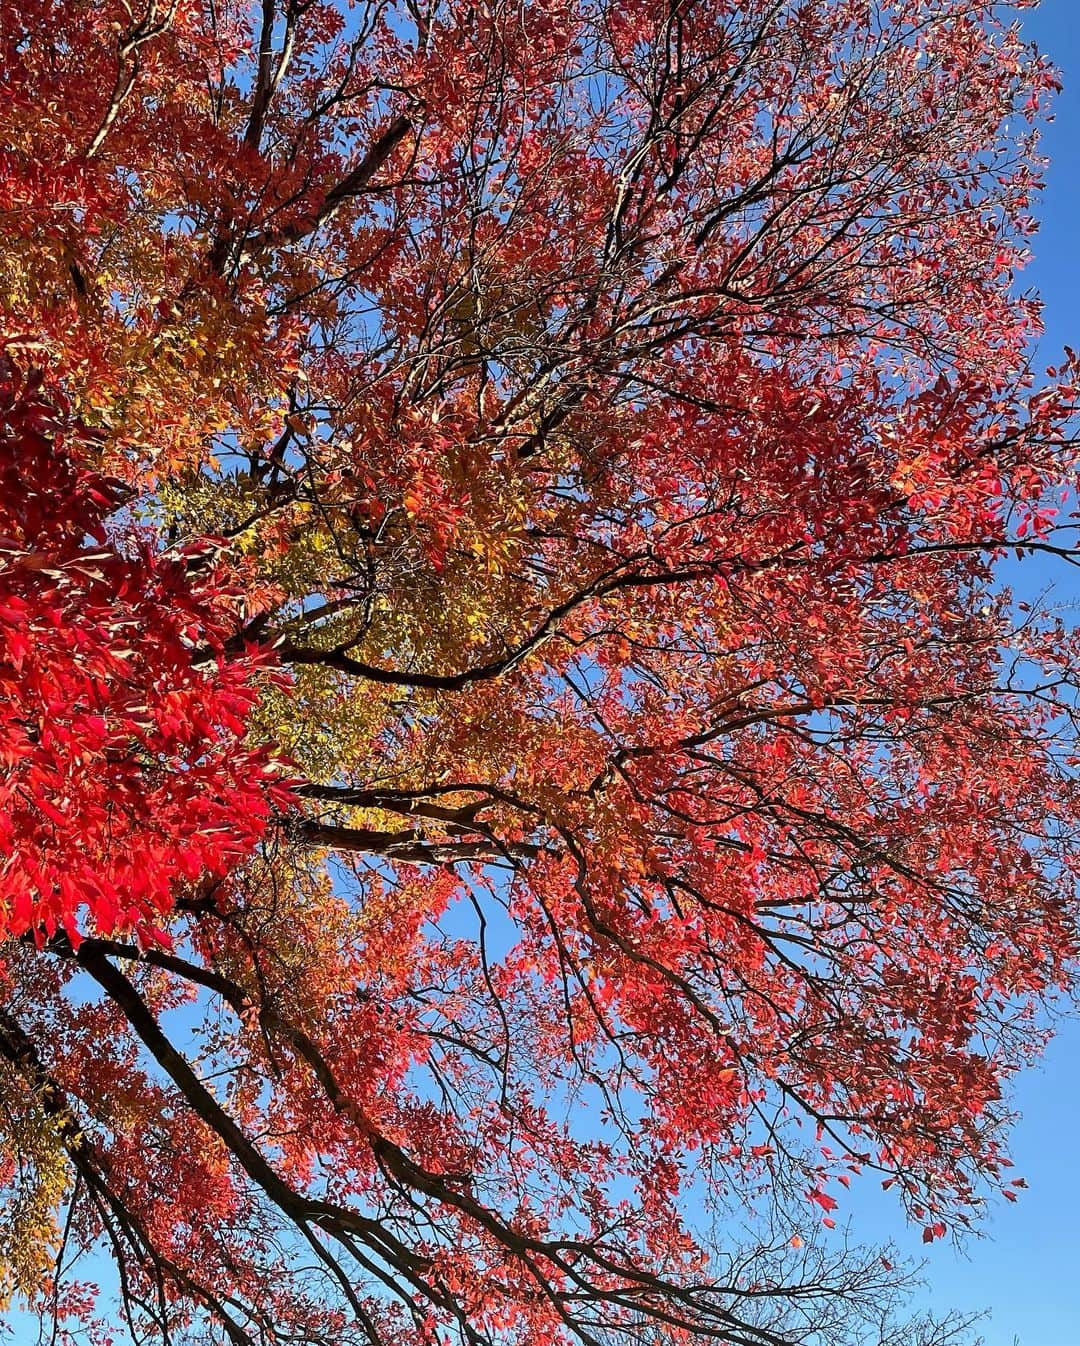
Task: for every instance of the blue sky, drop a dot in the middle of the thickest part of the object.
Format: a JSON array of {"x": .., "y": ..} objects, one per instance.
[{"x": 1024, "y": 1269}]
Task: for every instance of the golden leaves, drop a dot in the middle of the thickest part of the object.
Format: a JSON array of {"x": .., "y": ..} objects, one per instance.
[{"x": 32, "y": 1189}]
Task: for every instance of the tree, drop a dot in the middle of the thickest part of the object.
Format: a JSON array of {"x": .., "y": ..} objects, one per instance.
[{"x": 513, "y": 735}]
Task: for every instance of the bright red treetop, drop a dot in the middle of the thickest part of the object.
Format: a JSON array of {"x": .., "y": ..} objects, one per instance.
[{"x": 577, "y": 439}]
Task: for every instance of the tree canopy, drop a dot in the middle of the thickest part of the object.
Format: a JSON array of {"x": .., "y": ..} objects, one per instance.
[{"x": 520, "y": 778}]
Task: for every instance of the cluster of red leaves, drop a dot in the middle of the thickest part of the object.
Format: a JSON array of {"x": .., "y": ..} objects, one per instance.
[{"x": 125, "y": 770}]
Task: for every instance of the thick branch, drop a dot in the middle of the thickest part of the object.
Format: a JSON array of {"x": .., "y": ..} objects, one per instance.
[
  {"x": 353, "y": 184},
  {"x": 411, "y": 847}
]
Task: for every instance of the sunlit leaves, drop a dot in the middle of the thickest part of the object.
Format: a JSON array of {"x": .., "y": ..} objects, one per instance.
[{"x": 609, "y": 417}]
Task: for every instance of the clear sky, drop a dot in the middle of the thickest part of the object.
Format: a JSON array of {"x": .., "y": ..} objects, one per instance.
[{"x": 1025, "y": 1269}]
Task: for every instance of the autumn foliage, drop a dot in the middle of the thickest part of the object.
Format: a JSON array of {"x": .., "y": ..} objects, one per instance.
[
  {"x": 124, "y": 769},
  {"x": 522, "y": 781}
]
